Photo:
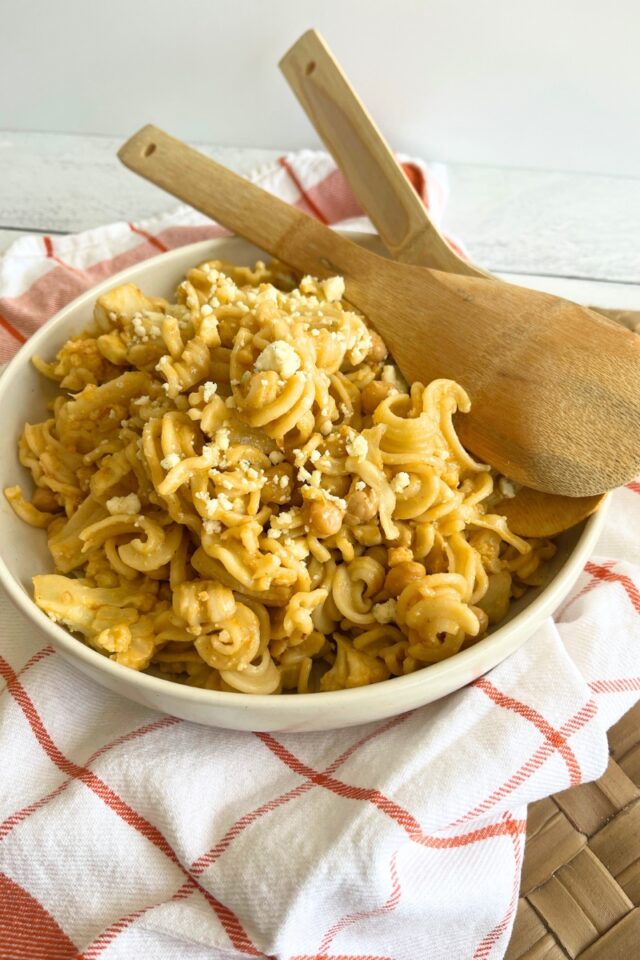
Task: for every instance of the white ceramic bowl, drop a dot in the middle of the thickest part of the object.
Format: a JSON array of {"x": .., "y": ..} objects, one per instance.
[{"x": 23, "y": 553}]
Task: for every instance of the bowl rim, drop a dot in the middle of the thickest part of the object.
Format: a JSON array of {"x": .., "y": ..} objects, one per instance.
[{"x": 471, "y": 662}]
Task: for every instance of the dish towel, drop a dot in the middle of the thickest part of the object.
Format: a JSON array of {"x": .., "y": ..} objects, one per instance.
[{"x": 125, "y": 833}]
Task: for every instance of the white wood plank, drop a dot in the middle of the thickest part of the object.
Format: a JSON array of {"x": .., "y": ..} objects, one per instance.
[
  {"x": 71, "y": 182},
  {"x": 564, "y": 224},
  {"x": 613, "y": 296},
  {"x": 517, "y": 221}
]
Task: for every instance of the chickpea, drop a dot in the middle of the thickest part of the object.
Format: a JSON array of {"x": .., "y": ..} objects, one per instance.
[
  {"x": 44, "y": 499},
  {"x": 401, "y": 575},
  {"x": 325, "y": 518},
  {"x": 361, "y": 506},
  {"x": 398, "y": 555},
  {"x": 338, "y": 486},
  {"x": 274, "y": 490},
  {"x": 378, "y": 350},
  {"x": 373, "y": 394}
]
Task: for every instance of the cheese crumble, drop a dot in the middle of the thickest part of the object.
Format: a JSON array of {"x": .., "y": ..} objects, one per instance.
[
  {"x": 333, "y": 289},
  {"x": 129, "y": 504},
  {"x": 385, "y": 612},
  {"x": 279, "y": 356},
  {"x": 357, "y": 447},
  {"x": 208, "y": 390},
  {"x": 400, "y": 482}
]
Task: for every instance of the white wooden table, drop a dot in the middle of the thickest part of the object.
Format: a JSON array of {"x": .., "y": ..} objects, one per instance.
[{"x": 575, "y": 233}]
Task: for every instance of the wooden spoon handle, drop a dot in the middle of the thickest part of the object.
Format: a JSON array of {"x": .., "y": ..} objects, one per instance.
[
  {"x": 362, "y": 153},
  {"x": 243, "y": 207}
]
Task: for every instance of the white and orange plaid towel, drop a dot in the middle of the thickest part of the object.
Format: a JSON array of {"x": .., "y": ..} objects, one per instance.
[{"x": 127, "y": 834}]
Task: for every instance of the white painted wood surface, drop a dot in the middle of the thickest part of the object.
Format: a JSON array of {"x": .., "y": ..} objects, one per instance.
[{"x": 526, "y": 225}]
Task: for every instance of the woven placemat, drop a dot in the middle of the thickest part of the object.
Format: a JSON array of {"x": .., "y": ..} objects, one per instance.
[{"x": 580, "y": 892}]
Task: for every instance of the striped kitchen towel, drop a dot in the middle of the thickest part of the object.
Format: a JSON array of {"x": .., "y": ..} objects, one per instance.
[{"x": 124, "y": 833}]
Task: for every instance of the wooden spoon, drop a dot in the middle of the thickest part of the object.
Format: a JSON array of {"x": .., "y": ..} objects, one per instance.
[
  {"x": 403, "y": 223},
  {"x": 555, "y": 403}
]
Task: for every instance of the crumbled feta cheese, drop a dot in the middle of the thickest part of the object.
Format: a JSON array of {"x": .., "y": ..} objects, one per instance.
[
  {"x": 339, "y": 501},
  {"x": 140, "y": 400},
  {"x": 314, "y": 456},
  {"x": 222, "y": 439},
  {"x": 279, "y": 356},
  {"x": 385, "y": 612},
  {"x": 212, "y": 526},
  {"x": 206, "y": 310},
  {"x": 276, "y": 457},
  {"x": 138, "y": 326},
  {"x": 224, "y": 501},
  {"x": 507, "y": 488},
  {"x": 283, "y": 481},
  {"x": 391, "y": 374},
  {"x": 360, "y": 484},
  {"x": 267, "y": 293},
  {"x": 274, "y": 534},
  {"x": 333, "y": 288},
  {"x": 201, "y": 495},
  {"x": 128, "y": 504},
  {"x": 170, "y": 461},
  {"x": 357, "y": 447},
  {"x": 208, "y": 390},
  {"x": 400, "y": 482}
]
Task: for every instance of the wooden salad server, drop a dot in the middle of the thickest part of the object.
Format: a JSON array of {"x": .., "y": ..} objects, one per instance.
[
  {"x": 555, "y": 401},
  {"x": 403, "y": 223}
]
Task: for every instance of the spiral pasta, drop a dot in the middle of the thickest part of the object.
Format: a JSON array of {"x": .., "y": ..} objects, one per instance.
[{"x": 241, "y": 493}]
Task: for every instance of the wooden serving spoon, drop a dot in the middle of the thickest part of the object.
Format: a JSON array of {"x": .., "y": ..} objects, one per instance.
[
  {"x": 555, "y": 403},
  {"x": 404, "y": 226}
]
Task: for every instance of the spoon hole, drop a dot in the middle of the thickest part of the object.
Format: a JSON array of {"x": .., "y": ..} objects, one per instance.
[
  {"x": 149, "y": 149},
  {"x": 310, "y": 67}
]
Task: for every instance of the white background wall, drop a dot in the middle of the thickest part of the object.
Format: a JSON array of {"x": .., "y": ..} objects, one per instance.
[{"x": 540, "y": 83}]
